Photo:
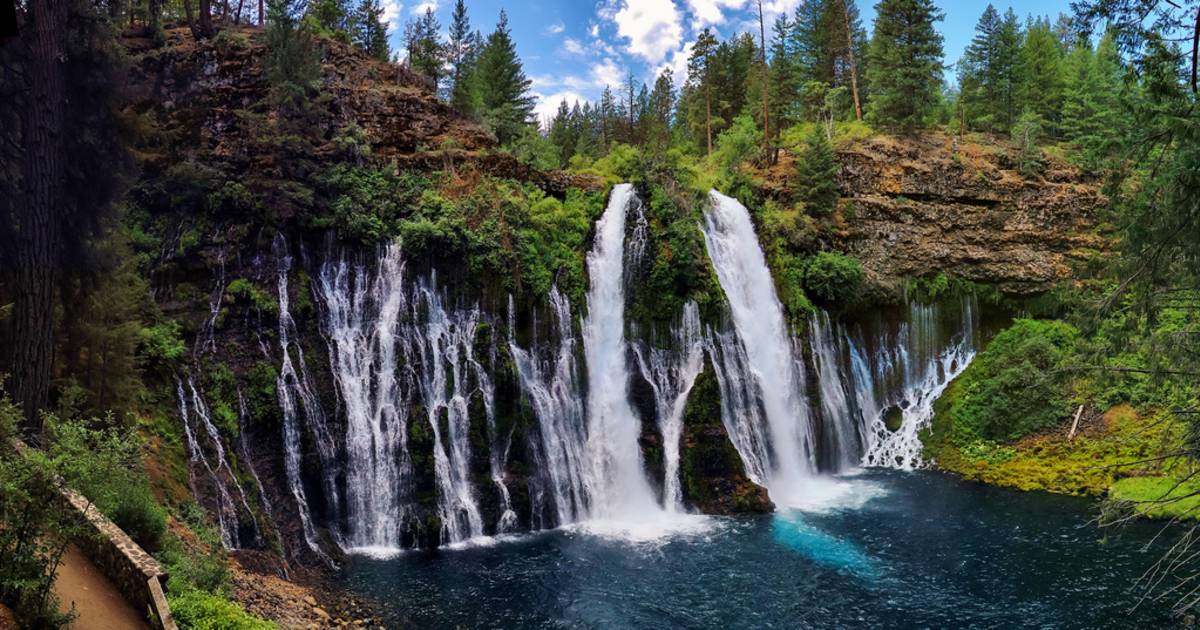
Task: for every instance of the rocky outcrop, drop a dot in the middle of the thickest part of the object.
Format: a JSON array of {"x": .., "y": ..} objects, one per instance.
[
  {"x": 918, "y": 206},
  {"x": 714, "y": 477}
]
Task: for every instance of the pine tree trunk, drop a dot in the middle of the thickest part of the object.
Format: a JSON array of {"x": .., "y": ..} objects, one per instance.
[
  {"x": 708, "y": 118},
  {"x": 853, "y": 65},
  {"x": 762, "y": 43},
  {"x": 260, "y": 14},
  {"x": 38, "y": 222}
]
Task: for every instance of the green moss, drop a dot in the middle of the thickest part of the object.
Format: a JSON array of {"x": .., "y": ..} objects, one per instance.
[
  {"x": 244, "y": 293},
  {"x": 1159, "y": 496}
]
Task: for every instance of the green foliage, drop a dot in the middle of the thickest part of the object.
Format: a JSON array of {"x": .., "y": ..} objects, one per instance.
[
  {"x": 988, "y": 72},
  {"x": 35, "y": 529},
  {"x": 815, "y": 171},
  {"x": 1014, "y": 388},
  {"x": 552, "y": 242},
  {"x": 367, "y": 202},
  {"x": 422, "y": 41},
  {"x": 534, "y": 149},
  {"x": 293, "y": 64},
  {"x": 833, "y": 278},
  {"x": 105, "y": 465},
  {"x": 501, "y": 97},
  {"x": 1026, "y": 133},
  {"x": 737, "y": 144},
  {"x": 370, "y": 29},
  {"x": 1165, "y": 497},
  {"x": 243, "y": 293},
  {"x": 197, "y": 610},
  {"x": 905, "y": 64}
]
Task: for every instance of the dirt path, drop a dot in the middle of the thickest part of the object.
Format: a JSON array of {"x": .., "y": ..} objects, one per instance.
[{"x": 98, "y": 603}]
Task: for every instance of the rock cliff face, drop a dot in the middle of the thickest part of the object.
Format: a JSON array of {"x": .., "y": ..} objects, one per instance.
[{"x": 929, "y": 205}]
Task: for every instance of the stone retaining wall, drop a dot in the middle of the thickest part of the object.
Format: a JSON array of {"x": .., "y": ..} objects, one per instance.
[{"x": 138, "y": 576}]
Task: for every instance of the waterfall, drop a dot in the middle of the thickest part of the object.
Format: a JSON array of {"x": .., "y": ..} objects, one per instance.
[
  {"x": 248, "y": 463},
  {"x": 741, "y": 407},
  {"x": 362, "y": 325},
  {"x": 671, "y": 373},
  {"x": 552, "y": 387},
  {"x": 844, "y": 434},
  {"x": 298, "y": 403},
  {"x": 616, "y": 482},
  {"x": 766, "y": 353},
  {"x": 445, "y": 347},
  {"x": 219, "y": 472},
  {"x": 908, "y": 375}
]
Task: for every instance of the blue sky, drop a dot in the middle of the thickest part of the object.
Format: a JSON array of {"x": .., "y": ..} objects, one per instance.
[{"x": 572, "y": 49}]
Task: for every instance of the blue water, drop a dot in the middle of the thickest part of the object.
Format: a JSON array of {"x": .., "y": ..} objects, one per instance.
[{"x": 925, "y": 551}]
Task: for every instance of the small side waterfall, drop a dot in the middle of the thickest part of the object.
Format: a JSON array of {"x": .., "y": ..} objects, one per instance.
[
  {"x": 741, "y": 406},
  {"x": 224, "y": 482},
  {"x": 616, "y": 480},
  {"x": 671, "y": 373},
  {"x": 844, "y": 435},
  {"x": 444, "y": 346},
  {"x": 301, "y": 411},
  {"x": 908, "y": 375},
  {"x": 768, "y": 357},
  {"x": 551, "y": 385},
  {"x": 362, "y": 326}
]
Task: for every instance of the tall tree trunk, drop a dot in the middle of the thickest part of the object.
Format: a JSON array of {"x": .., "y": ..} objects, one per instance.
[
  {"x": 237, "y": 17},
  {"x": 850, "y": 57},
  {"x": 38, "y": 223},
  {"x": 708, "y": 118},
  {"x": 204, "y": 20},
  {"x": 261, "y": 19},
  {"x": 762, "y": 44}
]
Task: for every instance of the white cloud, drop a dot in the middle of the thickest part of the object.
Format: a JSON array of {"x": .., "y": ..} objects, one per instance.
[
  {"x": 392, "y": 10},
  {"x": 678, "y": 64},
  {"x": 594, "y": 31},
  {"x": 606, "y": 73},
  {"x": 547, "y": 104},
  {"x": 572, "y": 46},
  {"x": 420, "y": 7},
  {"x": 705, "y": 12},
  {"x": 556, "y": 28},
  {"x": 652, "y": 27}
]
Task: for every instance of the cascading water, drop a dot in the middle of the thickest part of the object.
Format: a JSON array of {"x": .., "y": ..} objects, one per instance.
[
  {"x": 671, "y": 373},
  {"x": 908, "y": 374},
  {"x": 741, "y": 407},
  {"x": 551, "y": 385},
  {"x": 445, "y": 347},
  {"x": 616, "y": 482},
  {"x": 301, "y": 410},
  {"x": 362, "y": 324},
  {"x": 768, "y": 357},
  {"x": 844, "y": 434},
  {"x": 219, "y": 473}
]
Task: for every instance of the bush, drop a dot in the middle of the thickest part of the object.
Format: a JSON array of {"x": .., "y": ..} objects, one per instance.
[
  {"x": 1013, "y": 388},
  {"x": 197, "y": 610},
  {"x": 833, "y": 278},
  {"x": 105, "y": 465}
]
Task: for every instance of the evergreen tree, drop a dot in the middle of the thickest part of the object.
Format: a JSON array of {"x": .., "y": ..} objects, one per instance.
[
  {"x": 334, "y": 17},
  {"x": 1041, "y": 73},
  {"x": 609, "y": 119},
  {"x": 700, "y": 79},
  {"x": 658, "y": 110},
  {"x": 502, "y": 89},
  {"x": 905, "y": 64},
  {"x": 563, "y": 132},
  {"x": 461, "y": 52},
  {"x": 371, "y": 29},
  {"x": 988, "y": 72},
  {"x": 815, "y": 172},
  {"x": 785, "y": 76},
  {"x": 425, "y": 50}
]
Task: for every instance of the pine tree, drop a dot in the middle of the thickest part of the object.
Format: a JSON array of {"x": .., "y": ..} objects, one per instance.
[
  {"x": 371, "y": 29},
  {"x": 905, "y": 70},
  {"x": 334, "y": 17},
  {"x": 562, "y": 134},
  {"x": 1041, "y": 74},
  {"x": 425, "y": 50},
  {"x": 700, "y": 79},
  {"x": 785, "y": 81},
  {"x": 501, "y": 85},
  {"x": 460, "y": 52},
  {"x": 815, "y": 172},
  {"x": 658, "y": 110},
  {"x": 988, "y": 72}
]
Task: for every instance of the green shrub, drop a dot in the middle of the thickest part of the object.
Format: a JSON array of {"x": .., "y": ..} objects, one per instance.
[
  {"x": 197, "y": 610},
  {"x": 104, "y": 464},
  {"x": 1013, "y": 388},
  {"x": 245, "y": 293},
  {"x": 833, "y": 278}
]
